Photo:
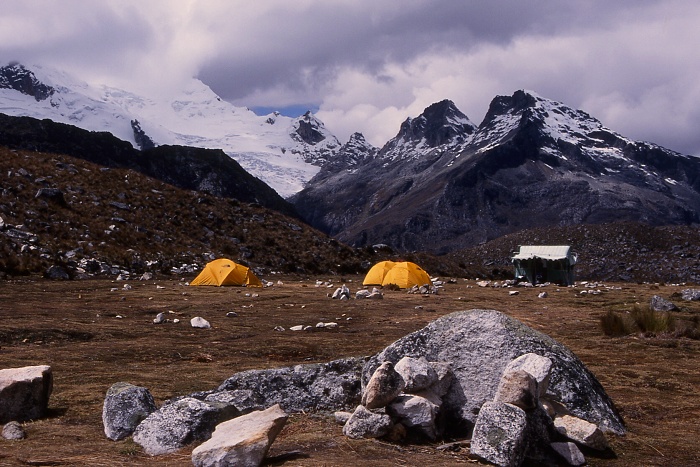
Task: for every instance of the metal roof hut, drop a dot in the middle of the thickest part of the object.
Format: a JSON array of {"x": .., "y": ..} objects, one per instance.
[{"x": 545, "y": 263}]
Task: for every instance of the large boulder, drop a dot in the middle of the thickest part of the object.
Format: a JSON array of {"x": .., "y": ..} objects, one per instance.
[
  {"x": 24, "y": 393},
  {"x": 243, "y": 441},
  {"x": 125, "y": 406},
  {"x": 320, "y": 386},
  {"x": 179, "y": 423},
  {"x": 480, "y": 344}
]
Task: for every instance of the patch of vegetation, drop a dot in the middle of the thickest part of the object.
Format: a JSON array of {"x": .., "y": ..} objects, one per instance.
[
  {"x": 615, "y": 324},
  {"x": 649, "y": 323}
]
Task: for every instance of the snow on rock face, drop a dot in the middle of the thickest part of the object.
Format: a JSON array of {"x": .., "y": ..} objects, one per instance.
[
  {"x": 282, "y": 151},
  {"x": 440, "y": 125}
]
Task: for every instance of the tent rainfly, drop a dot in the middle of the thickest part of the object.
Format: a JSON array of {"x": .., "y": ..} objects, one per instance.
[
  {"x": 403, "y": 274},
  {"x": 225, "y": 272},
  {"x": 545, "y": 263}
]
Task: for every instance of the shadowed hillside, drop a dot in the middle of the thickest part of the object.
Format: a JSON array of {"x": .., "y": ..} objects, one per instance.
[{"x": 60, "y": 210}]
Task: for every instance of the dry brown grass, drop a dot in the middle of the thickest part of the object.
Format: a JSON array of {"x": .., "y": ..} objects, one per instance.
[{"x": 73, "y": 327}]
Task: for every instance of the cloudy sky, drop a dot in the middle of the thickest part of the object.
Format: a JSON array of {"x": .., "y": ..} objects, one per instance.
[{"x": 366, "y": 65}]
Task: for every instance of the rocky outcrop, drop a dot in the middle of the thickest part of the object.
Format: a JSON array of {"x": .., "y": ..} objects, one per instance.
[
  {"x": 323, "y": 386},
  {"x": 190, "y": 168},
  {"x": 24, "y": 393},
  {"x": 480, "y": 344},
  {"x": 516, "y": 390}
]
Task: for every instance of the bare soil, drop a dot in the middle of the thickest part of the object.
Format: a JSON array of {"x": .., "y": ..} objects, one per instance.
[{"x": 94, "y": 333}]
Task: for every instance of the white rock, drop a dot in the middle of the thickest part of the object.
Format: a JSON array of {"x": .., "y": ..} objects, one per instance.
[
  {"x": 243, "y": 441},
  {"x": 538, "y": 366},
  {"x": 160, "y": 318},
  {"x": 366, "y": 424},
  {"x": 417, "y": 373},
  {"x": 581, "y": 431},
  {"x": 13, "y": 431},
  {"x": 199, "y": 322},
  {"x": 416, "y": 412},
  {"x": 298, "y": 327}
]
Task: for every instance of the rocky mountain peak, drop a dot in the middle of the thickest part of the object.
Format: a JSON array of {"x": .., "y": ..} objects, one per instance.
[
  {"x": 440, "y": 123},
  {"x": 358, "y": 143},
  {"x": 16, "y": 76},
  {"x": 351, "y": 154},
  {"x": 309, "y": 129}
]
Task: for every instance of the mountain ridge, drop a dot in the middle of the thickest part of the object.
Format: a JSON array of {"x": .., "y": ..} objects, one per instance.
[
  {"x": 284, "y": 152},
  {"x": 441, "y": 184},
  {"x": 531, "y": 162}
]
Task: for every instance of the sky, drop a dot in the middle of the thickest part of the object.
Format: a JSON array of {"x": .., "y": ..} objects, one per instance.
[{"x": 367, "y": 65}]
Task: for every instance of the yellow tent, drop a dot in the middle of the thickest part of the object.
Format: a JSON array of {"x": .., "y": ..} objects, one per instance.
[
  {"x": 404, "y": 274},
  {"x": 375, "y": 276},
  {"x": 226, "y": 272}
]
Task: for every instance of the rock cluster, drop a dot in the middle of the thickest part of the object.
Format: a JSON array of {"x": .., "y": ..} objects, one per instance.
[
  {"x": 403, "y": 399},
  {"x": 404, "y": 402},
  {"x": 690, "y": 294},
  {"x": 253, "y": 400}
]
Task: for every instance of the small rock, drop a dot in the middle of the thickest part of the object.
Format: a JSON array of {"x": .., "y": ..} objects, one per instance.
[
  {"x": 342, "y": 417},
  {"x": 570, "y": 452},
  {"x": 125, "y": 406},
  {"x": 13, "y": 431},
  {"x": 366, "y": 424},
  {"x": 231, "y": 314},
  {"x": 199, "y": 322},
  {"x": 383, "y": 387},
  {"x": 299, "y": 327},
  {"x": 417, "y": 373},
  {"x": 278, "y": 329},
  {"x": 159, "y": 319},
  {"x": 661, "y": 304},
  {"x": 538, "y": 366},
  {"x": 581, "y": 431},
  {"x": 416, "y": 412},
  {"x": 519, "y": 388}
]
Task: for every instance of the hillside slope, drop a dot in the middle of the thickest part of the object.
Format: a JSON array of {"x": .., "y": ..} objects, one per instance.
[
  {"x": 186, "y": 167},
  {"x": 56, "y": 210}
]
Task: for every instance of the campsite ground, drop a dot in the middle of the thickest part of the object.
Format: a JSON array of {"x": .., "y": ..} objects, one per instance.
[{"x": 95, "y": 333}]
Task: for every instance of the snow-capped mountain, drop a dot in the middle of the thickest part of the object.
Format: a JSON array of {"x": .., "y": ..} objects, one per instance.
[
  {"x": 282, "y": 151},
  {"x": 442, "y": 183}
]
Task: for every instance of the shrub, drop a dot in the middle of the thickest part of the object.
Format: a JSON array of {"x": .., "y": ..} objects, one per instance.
[
  {"x": 648, "y": 320},
  {"x": 392, "y": 287},
  {"x": 615, "y": 325}
]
